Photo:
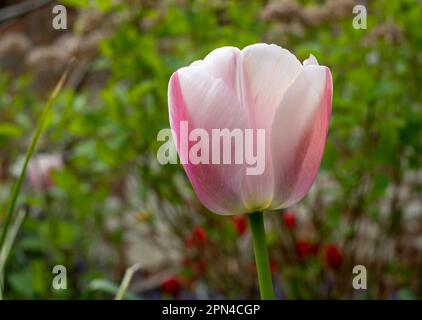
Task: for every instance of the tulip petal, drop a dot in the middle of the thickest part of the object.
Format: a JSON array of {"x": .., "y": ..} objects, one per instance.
[
  {"x": 208, "y": 103},
  {"x": 310, "y": 61},
  {"x": 268, "y": 70},
  {"x": 266, "y": 73},
  {"x": 222, "y": 63},
  {"x": 299, "y": 134}
]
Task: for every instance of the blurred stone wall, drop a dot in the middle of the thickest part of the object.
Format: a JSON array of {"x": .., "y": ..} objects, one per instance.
[{"x": 29, "y": 44}]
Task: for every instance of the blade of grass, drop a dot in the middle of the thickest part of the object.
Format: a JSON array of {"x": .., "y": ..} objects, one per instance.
[
  {"x": 40, "y": 128},
  {"x": 127, "y": 278},
  {"x": 4, "y": 252}
]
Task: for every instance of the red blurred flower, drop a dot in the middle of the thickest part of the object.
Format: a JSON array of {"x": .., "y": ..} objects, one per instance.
[
  {"x": 304, "y": 248},
  {"x": 171, "y": 286},
  {"x": 189, "y": 242},
  {"x": 240, "y": 224},
  {"x": 200, "y": 236},
  {"x": 201, "y": 266},
  {"x": 289, "y": 219},
  {"x": 333, "y": 256},
  {"x": 273, "y": 266}
]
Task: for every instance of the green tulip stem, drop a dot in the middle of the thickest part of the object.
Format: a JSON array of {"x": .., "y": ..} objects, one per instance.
[{"x": 262, "y": 261}]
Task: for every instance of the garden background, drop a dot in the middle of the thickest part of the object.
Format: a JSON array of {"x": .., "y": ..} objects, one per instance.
[{"x": 96, "y": 201}]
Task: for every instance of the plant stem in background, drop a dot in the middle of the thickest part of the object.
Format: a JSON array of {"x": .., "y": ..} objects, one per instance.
[
  {"x": 34, "y": 141},
  {"x": 126, "y": 281},
  {"x": 8, "y": 243},
  {"x": 262, "y": 261}
]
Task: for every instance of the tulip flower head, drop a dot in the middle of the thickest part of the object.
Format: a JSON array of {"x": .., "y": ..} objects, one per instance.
[
  {"x": 240, "y": 224},
  {"x": 171, "y": 286},
  {"x": 289, "y": 219},
  {"x": 274, "y": 112},
  {"x": 40, "y": 169},
  {"x": 304, "y": 248},
  {"x": 333, "y": 256},
  {"x": 200, "y": 236}
]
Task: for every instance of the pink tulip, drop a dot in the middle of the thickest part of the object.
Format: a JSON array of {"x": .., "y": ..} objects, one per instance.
[
  {"x": 40, "y": 169},
  {"x": 260, "y": 87}
]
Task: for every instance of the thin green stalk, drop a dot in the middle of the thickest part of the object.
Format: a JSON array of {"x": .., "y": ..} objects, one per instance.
[
  {"x": 4, "y": 252},
  {"x": 34, "y": 141},
  {"x": 126, "y": 281},
  {"x": 262, "y": 261}
]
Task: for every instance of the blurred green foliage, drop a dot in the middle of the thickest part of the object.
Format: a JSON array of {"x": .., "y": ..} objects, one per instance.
[{"x": 108, "y": 140}]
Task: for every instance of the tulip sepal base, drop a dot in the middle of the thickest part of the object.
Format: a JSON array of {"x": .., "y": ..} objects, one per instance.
[{"x": 256, "y": 221}]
